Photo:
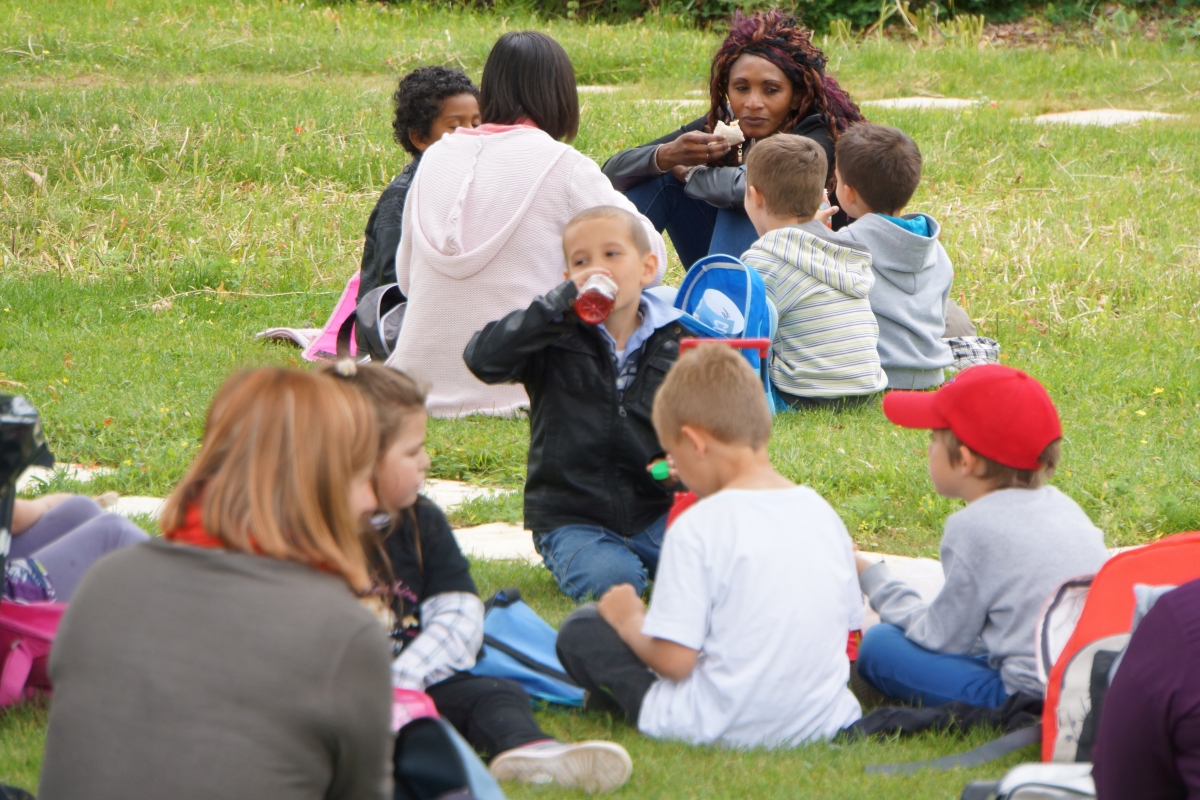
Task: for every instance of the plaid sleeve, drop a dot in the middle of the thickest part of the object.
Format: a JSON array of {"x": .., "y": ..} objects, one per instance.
[{"x": 451, "y": 635}]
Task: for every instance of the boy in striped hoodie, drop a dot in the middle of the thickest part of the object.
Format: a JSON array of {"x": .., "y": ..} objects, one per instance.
[{"x": 825, "y": 349}]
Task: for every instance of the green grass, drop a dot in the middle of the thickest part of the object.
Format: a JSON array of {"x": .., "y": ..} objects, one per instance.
[{"x": 233, "y": 151}]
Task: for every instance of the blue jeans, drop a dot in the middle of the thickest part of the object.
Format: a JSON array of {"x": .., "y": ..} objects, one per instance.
[
  {"x": 733, "y": 233},
  {"x": 895, "y": 666},
  {"x": 689, "y": 222},
  {"x": 587, "y": 560}
]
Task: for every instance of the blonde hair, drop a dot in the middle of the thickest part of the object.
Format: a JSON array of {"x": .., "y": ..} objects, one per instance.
[
  {"x": 272, "y": 477},
  {"x": 637, "y": 231},
  {"x": 789, "y": 171},
  {"x": 713, "y": 388}
]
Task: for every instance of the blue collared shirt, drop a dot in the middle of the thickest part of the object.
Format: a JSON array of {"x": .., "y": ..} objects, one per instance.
[{"x": 654, "y": 313}]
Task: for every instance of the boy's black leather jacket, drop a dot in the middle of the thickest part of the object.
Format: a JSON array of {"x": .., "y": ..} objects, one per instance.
[{"x": 589, "y": 444}]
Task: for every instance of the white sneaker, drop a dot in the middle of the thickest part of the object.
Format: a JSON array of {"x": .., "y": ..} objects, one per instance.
[{"x": 591, "y": 766}]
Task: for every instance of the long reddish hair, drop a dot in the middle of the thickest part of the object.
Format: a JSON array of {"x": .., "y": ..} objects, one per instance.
[
  {"x": 782, "y": 40},
  {"x": 281, "y": 448}
]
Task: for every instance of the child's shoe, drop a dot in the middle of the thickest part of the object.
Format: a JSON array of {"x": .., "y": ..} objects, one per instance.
[{"x": 591, "y": 766}]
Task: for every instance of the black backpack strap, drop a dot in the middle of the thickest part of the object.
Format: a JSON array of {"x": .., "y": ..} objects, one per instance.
[
  {"x": 345, "y": 333},
  {"x": 533, "y": 664},
  {"x": 502, "y": 598},
  {"x": 997, "y": 748}
]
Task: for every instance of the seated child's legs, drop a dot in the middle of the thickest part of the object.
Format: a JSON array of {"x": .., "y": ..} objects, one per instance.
[
  {"x": 54, "y": 524},
  {"x": 594, "y": 656},
  {"x": 586, "y": 561},
  {"x": 492, "y": 714},
  {"x": 799, "y": 403},
  {"x": 68, "y": 558},
  {"x": 906, "y": 671}
]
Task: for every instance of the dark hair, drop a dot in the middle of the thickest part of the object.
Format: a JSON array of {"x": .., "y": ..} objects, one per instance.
[
  {"x": 880, "y": 163},
  {"x": 637, "y": 231},
  {"x": 1004, "y": 477},
  {"x": 393, "y": 396},
  {"x": 528, "y": 75},
  {"x": 418, "y": 101},
  {"x": 789, "y": 172},
  {"x": 780, "y": 39}
]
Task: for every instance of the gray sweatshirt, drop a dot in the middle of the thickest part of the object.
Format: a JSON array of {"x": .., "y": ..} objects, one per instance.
[
  {"x": 195, "y": 674},
  {"x": 1003, "y": 555},
  {"x": 912, "y": 284}
]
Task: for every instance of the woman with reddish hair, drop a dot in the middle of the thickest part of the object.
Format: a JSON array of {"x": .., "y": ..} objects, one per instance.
[
  {"x": 769, "y": 77},
  {"x": 232, "y": 657}
]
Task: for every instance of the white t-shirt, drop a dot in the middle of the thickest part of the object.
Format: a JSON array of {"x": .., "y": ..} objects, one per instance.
[{"x": 763, "y": 584}]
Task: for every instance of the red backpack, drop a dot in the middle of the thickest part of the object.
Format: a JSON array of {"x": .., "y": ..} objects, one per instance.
[
  {"x": 1094, "y": 616},
  {"x": 26, "y": 635}
]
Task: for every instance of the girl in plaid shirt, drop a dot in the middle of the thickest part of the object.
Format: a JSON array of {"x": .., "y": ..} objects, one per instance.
[{"x": 427, "y": 599}]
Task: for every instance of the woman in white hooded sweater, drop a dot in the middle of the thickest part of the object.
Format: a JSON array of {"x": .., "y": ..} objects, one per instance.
[{"x": 482, "y": 229}]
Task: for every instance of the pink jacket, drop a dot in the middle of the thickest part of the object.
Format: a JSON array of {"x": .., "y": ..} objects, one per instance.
[{"x": 482, "y": 236}]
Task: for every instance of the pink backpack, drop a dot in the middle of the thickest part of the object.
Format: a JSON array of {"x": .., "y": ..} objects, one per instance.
[{"x": 26, "y": 636}]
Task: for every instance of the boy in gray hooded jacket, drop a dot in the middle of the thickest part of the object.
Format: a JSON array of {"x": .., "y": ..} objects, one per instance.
[{"x": 878, "y": 169}]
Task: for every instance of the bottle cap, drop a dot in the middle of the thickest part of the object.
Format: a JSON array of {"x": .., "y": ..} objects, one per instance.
[{"x": 660, "y": 470}]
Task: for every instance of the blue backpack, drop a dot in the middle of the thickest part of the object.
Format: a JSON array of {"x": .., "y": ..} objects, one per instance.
[
  {"x": 722, "y": 297},
  {"x": 519, "y": 645}
]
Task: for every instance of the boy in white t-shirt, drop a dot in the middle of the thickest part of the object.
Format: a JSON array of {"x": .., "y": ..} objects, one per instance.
[{"x": 744, "y": 643}]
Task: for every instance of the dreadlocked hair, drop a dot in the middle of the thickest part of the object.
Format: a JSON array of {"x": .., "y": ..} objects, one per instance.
[
  {"x": 781, "y": 39},
  {"x": 393, "y": 396}
]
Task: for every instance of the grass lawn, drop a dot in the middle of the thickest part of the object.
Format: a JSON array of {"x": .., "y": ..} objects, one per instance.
[{"x": 226, "y": 157}]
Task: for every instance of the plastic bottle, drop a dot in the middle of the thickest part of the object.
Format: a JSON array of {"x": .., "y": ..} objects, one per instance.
[
  {"x": 596, "y": 299},
  {"x": 825, "y": 207}
]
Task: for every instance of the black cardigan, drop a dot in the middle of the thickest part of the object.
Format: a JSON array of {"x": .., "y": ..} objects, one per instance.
[
  {"x": 382, "y": 236},
  {"x": 722, "y": 187}
]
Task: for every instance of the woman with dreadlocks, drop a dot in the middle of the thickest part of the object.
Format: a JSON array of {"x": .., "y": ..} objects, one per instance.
[{"x": 769, "y": 77}]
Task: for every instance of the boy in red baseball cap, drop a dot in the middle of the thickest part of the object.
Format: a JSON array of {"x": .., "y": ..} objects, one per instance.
[{"x": 994, "y": 443}]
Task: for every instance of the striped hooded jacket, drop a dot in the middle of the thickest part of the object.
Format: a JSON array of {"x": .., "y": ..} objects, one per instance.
[{"x": 825, "y": 345}]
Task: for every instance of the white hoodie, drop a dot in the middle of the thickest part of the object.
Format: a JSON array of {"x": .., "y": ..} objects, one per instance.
[{"x": 481, "y": 237}]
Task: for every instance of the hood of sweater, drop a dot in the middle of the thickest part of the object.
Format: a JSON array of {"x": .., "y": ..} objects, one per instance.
[
  {"x": 813, "y": 248},
  {"x": 903, "y": 258},
  {"x": 913, "y": 279},
  {"x": 472, "y": 192}
]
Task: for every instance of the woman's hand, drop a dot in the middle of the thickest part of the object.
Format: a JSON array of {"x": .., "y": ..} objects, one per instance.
[{"x": 693, "y": 149}]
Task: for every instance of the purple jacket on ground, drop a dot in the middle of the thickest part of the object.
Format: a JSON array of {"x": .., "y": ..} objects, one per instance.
[{"x": 1148, "y": 744}]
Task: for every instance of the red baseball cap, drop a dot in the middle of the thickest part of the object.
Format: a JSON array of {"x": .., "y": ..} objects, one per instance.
[{"x": 997, "y": 411}]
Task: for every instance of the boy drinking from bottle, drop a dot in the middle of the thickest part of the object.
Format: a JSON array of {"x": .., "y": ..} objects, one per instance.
[{"x": 596, "y": 514}]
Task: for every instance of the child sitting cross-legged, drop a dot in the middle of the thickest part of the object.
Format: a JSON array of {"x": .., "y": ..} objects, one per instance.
[
  {"x": 744, "y": 643},
  {"x": 825, "y": 346},
  {"x": 596, "y": 514},
  {"x": 994, "y": 444},
  {"x": 878, "y": 168},
  {"x": 433, "y": 615}
]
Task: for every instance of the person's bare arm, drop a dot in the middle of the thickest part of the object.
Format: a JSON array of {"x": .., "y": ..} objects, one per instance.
[
  {"x": 624, "y": 611},
  {"x": 27, "y": 512}
]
